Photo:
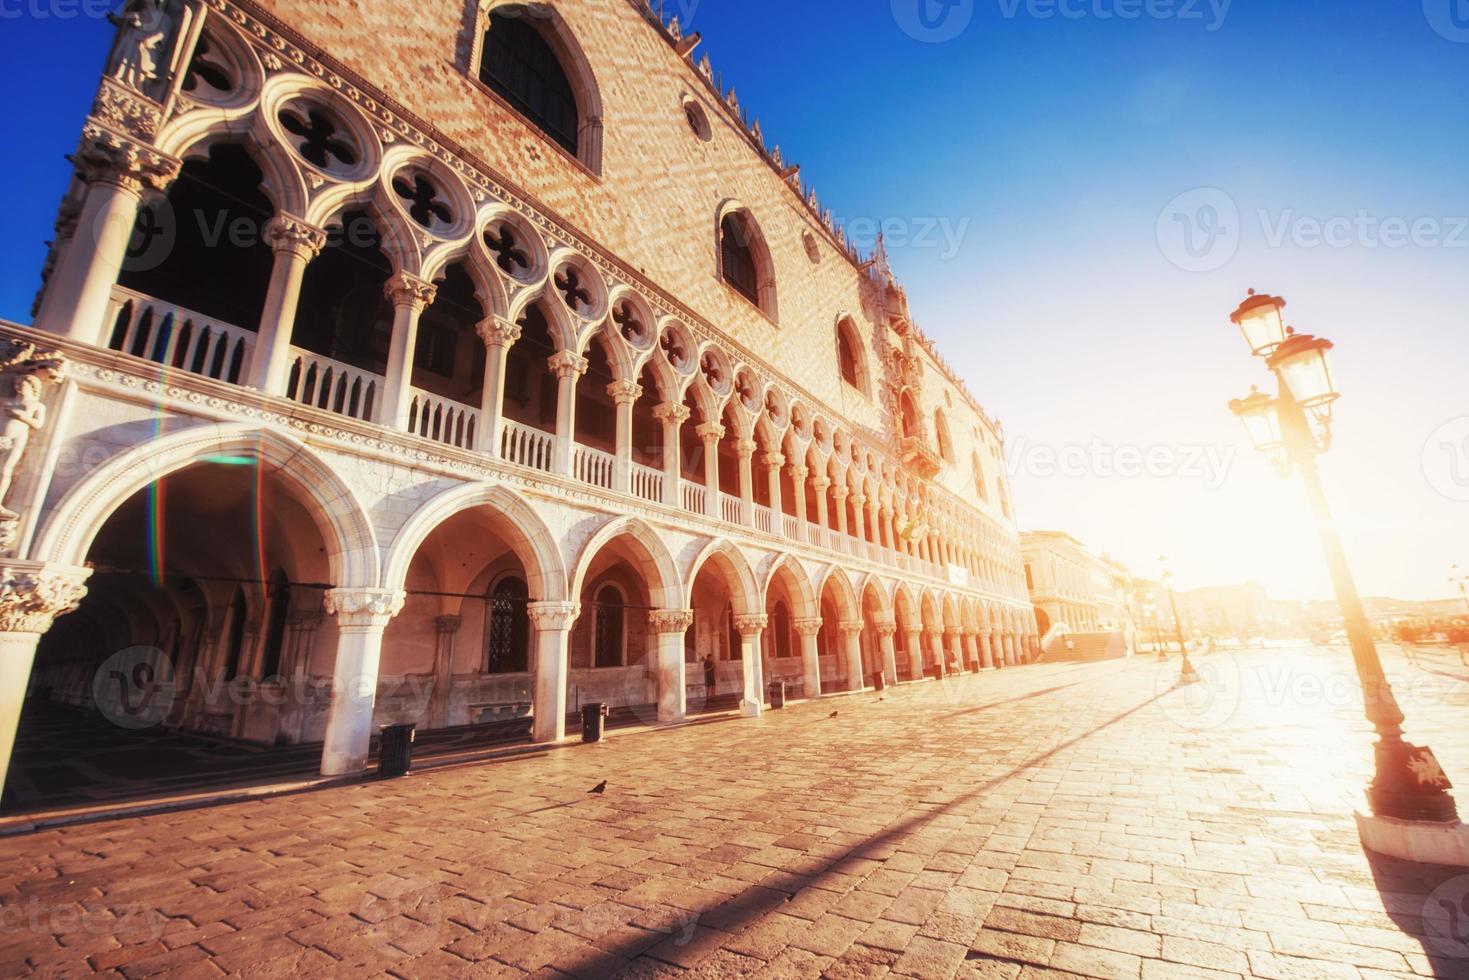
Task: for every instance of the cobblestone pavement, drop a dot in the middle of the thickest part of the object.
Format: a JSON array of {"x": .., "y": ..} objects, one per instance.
[{"x": 1046, "y": 821}]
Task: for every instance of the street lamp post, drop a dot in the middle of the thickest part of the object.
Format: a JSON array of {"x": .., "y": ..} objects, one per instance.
[
  {"x": 1187, "y": 675},
  {"x": 1292, "y": 429}
]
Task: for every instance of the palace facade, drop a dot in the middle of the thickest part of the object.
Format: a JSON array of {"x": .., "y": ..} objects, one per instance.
[{"x": 471, "y": 363}]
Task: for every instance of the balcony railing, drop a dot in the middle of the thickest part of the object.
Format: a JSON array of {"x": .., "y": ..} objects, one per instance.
[
  {"x": 694, "y": 496},
  {"x": 178, "y": 338},
  {"x": 730, "y": 508},
  {"x": 647, "y": 483},
  {"x": 185, "y": 340},
  {"x": 593, "y": 466},
  {"x": 442, "y": 419},
  {"x": 526, "y": 446},
  {"x": 321, "y": 382}
]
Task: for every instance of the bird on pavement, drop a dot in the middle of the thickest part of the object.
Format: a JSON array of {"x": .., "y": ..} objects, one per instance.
[
  {"x": 832, "y": 715},
  {"x": 599, "y": 788}
]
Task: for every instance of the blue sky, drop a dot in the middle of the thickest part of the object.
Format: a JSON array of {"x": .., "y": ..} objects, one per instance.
[{"x": 1046, "y": 153}]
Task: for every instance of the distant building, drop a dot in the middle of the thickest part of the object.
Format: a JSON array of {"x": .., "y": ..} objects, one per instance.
[{"x": 1072, "y": 587}]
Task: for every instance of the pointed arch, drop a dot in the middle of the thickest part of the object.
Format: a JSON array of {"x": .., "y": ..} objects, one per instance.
[
  {"x": 798, "y": 583},
  {"x": 848, "y": 606},
  {"x": 665, "y": 587},
  {"x": 338, "y": 513},
  {"x": 526, "y": 534},
  {"x": 870, "y": 586},
  {"x": 743, "y": 258},
  {"x": 746, "y": 595}
]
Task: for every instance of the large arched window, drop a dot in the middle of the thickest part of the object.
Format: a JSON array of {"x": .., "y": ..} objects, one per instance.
[
  {"x": 941, "y": 432},
  {"x": 507, "y": 634},
  {"x": 980, "y": 485},
  {"x": 519, "y": 65},
  {"x": 909, "y": 414},
  {"x": 744, "y": 260},
  {"x": 849, "y": 356},
  {"x": 607, "y": 644}
]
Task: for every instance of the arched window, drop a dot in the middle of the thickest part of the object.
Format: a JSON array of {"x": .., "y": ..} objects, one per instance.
[
  {"x": 780, "y": 623},
  {"x": 519, "y": 65},
  {"x": 235, "y": 650},
  {"x": 607, "y": 644},
  {"x": 979, "y": 482},
  {"x": 278, "y": 601},
  {"x": 849, "y": 357},
  {"x": 737, "y": 260},
  {"x": 941, "y": 430},
  {"x": 909, "y": 414},
  {"x": 507, "y": 632}
]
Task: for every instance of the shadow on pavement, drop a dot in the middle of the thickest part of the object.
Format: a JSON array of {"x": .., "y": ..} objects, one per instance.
[{"x": 1430, "y": 904}]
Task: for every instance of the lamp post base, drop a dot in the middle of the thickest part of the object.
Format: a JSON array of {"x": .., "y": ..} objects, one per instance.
[
  {"x": 1409, "y": 784},
  {"x": 1188, "y": 675},
  {"x": 1426, "y": 842}
]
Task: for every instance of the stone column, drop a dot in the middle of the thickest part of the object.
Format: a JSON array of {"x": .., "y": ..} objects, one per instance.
[
  {"x": 673, "y": 416},
  {"x": 79, "y": 288},
  {"x": 499, "y": 335},
  {"x": 971, "y": 651},
  {"x": 986, "y": 652},
  {"x": 956, "y": 648},
  {"x": 1012, "y": 649},
  {"x": 839, "y": 501},
  {"x": 859, "y": 514},
  {"x": 410, "y": 296},
  {"x": 773, "y": 463},
  {"x": 710, "y": 433},
  {"x": 746, "y": 449},
  {"x": 568, "y": 366},
  {"x": 852, "y": 651},
  {"x": 798, "y": 487},
  {"x": 446, "y": 627},
  {"x": 885, "y": 633},
  {"x": 32, "y": 595},
  {"x": 820, "y": 485},
  {"x": 624, "y": 395},
  {"x": 936, "y": 649},
  {"x": 670, "y": 626},
  {"x": 552, "y": 622},
  {"x": 810, "y": 656},
  {"x": 752, "y": 703},
  {"x": 915, "y": 653},
  {"x": 294, "y": 243},
  {"x": 362, "y": 615}
]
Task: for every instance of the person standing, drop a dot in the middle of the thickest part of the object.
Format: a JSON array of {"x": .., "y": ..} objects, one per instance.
[{"x": 710, "y": 676}]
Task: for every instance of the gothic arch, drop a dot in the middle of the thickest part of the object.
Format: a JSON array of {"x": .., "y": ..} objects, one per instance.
[
  {"x": 527, "y": 536},
  {"x": 660, "y": 574},
  {"x": 725, "y": 552},
  {"x": 334, "y": 506},
  {"x": 733, "y": 215},
  {"x": 795, "y": 575}
]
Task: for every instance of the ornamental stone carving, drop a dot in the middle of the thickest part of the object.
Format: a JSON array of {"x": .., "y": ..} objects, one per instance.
[
  {"x": 33, "y": 594},
  {"x": 557, "y": 616},
  {"x": 750, "y": 625},
  {"x": 808, "y": 627},
  {"x": 567, "y": 363},
  {"x": 288, "y": 233},
  {"x": 143, "y": 25},
  {"x": 105, "y": 157},
  {"x": 625, "y": 392},
  {"x": 498, "y": 332},
  {"x": 852, "y": 629},
  {"x": 886, "y": 629},
  {"x": 404, "y": 289},
  {"x": 364, "y": 608},
  {"x": 665, "y": 621},
  {"x": 122, "y": 109},
  {"x": 672, "y": 412},
  {"x": 24, "y": 374}
]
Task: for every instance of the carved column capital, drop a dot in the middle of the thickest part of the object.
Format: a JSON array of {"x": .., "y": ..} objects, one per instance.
[
  {"x": 840, "y": 492},
  {"x": 33, "y": 594},
  {"x": 364, "y": 608},
  {"x": 774, "y": 460},
  {"x": 746, "y": 448},
  {"x": 405, "y": 289},
  {"x": 886, "y": 629},
  {"x": 557, "y": 616},
  {"x": 288, "y": 233},
  {"x": 710, "y": 432},
  {"x": 107, "y": 158},
  {"x": 672, "y": 412},
  {"x": 821, "y": 483},
  {"x": 498, "y": 331},
  {"x": 800, "y": 471},
  {"x": 751, "y": 625},
  {"x": 808, "y": 627},
  {"x": 625, "y": 392},
  {"x": 852, "y": 628},
  {"x": 666, "y": 621},
  {"x": 567, "y": 364}
]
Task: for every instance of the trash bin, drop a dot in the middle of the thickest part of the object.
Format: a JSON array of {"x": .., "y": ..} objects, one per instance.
[
  {"x": 879, "y": 681},
  {"x": 396, "y": 754},
  {"x": 777, "y": 694},
  {"x": 593, "y": 721}
]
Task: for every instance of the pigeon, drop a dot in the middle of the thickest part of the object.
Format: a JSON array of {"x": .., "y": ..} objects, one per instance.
[
  {"x": 832, "y": 715},
  {"x": 599, "y": 788}
]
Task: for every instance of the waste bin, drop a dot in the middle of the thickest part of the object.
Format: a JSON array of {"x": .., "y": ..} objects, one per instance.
[
  {"x": 396, "y": 754},
  {"x": 593, "y": 721},
  {"x": 879, "y": 681},
  {"x": 777, "y": 694}
]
